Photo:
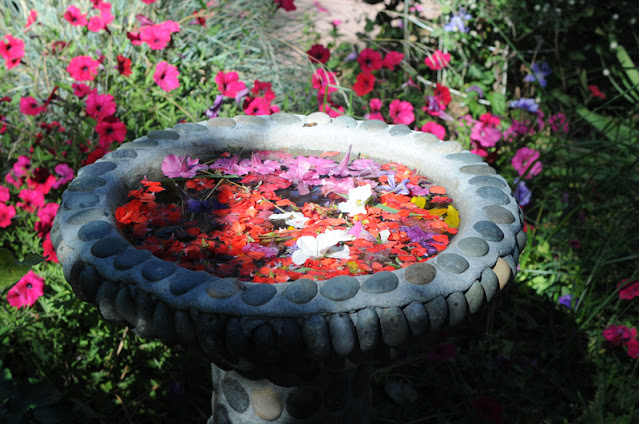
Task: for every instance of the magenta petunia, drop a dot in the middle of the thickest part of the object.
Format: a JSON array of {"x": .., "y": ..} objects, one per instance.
[
  {"x": 438, "y": 60},
  {"x": 111, "y": 130},
  {"x": 174, "y": 166},
  {"x": 392, "y": 59},
  {"x": 364, "y": 84},
  {"x": 83, "y": 68},
  {"x": 318, "y": 53},
  {"x": 524, "y": 162},
  {"x": 401, "y": 112},
  {"x": 616, "y": 334},
  {"x": 99, "y": 106},
  {"x": 287, "y": 5},
  {"x": 31, "y": 200},
  {"x": 633, "y": 348},
  {"x": 7, "y": 212},
  {"x": 49, "y": 252},
  {"x": 29, "y": 106},
  {"x": 485, "y": 135},
  {"x": 65, "y": 172},
  {"x": 13, "y": 49},
  {"x": 258, "y": 106},
  {"x": 628, "y": 290},
  {"x": 229, "y": 84},
  {"x": 156, "y": 36},
  {"x": 324, "y": 81},
  {"x": 166, "y": 76},
  {"x": 75, "y": 17},
  {"x": 369, "y": 60},
  {"x": 434, "y": 128},
  {"x": 4, "y": 194},
  {"x": 80, "y": 90},
  {"x": 26, "y": 291}
]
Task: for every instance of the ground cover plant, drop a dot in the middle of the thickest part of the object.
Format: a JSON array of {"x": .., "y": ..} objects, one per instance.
[{"x": 546, "y": 92}]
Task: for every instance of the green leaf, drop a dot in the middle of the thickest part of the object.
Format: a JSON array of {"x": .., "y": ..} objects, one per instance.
[
  {"x": 497, "y": 102},
  {"x": 11, "y": 270}
]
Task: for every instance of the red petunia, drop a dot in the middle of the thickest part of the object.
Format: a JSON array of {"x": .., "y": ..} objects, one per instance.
[
  {"x": 166, "y": 76},
  {"x": 80, "y": 90},
  {"x": 442, "y": 93},
  {"x": 286, "y": 5},
  {"x": 29, "y": 106},
  {"x": 401, "y": 112},
  {"x": 124, "y": 65},
  {"x": 594, "y": 90},
  {"x": 392, "y": 59},
  {"x": 99, "y": 106},
  {"x": 438, "y": 60},
  {"x": 83, "y": 68},
  {"x": 318, "y": 53},
  {"x": 49, "y": 252},
  {"x": 258, "y": 106},
  {"x": 369, "y": 60},
  {"x": 75, "y": 17},
  {"x": 364, "y": 84},
  {"x": 111, "y": 130}
]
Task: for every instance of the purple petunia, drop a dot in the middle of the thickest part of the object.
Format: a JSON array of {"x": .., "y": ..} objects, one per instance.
[
  {"x": 392, "y": 186},
  {"x": 526, "y": 104},
  {"x": 174, "y": 166},
  {"x": 458, "y": 21},
  {"x": 539, "y": 73},
  {"x": 522, "y": 193}
]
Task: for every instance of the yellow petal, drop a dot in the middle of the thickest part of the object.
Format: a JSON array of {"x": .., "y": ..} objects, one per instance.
[
  {"x": 419, "y": 201},
  {"x": 452, "y": 217},
  {"x": 438, "y": 212}
]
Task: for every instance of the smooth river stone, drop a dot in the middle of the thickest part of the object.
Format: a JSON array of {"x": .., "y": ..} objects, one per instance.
[
  {"x": 80, "y": 201},
  {"x": 319, "y": 117},
  {"x": 189, "y": 128},
  {"x": 125, "y": 305},
  {"x": 489, "y": 231},
  {"x": 344, "y": 121},
  {"x": 221, "y": 123},
  {"x": 86, "y": 216},
  {"x": 162, "y": 135},
  {"x": 457, "y": 308},
  {"x": 300, "y": 291},
  {"x": 140, "y": 144},
  {"x": 380, "y": 282},
  {"x": 130, "y": 258},
  {"x": 499, "y": 215},
  {"x": 399, "y": 130},
  {"x": 222, "y": 288},
  {"x": 477, "y": 170},
  {"x": 437, "y": 312},
  {"x": 420, "y": 273},
  {"x": 285, "y": 119},
  {"x": 86, "y": 183},
  {"x": 340, "y": 288},
  {"x": 266, "y": 403},
  {"x": 109, "y": 246},
  {"x": 121, "y": 154},
  {"x": 342, "y": 333},
  {"x": 502, "y": 271},
  {"x": 475, "y": 297},
  {"x": 185, "y": 282},
  {"x": 425, "y": 138},
  {"x": 521, "y": 240},
  {"x": 489, "y": 283},
  {"x": 367, "y": 328},
  {"x": 417, "y": 318},
  {"x": 394, "y": 326},
  {"x": 250, "y": 120},
  {"x": 487, "y": 181},
  {"x": 473, "y": 246},
  {"x": 94, "y": 230},
  {"x": 493, "y": 195},
  {"x": 316, "y": 337},
  {"x": 105, "y": 300},
  {"x": 258, "y": 294},
  {"x": 452, "y": 262},
  {"x": 158, "y": 270},
  {"x": 373, "y": 125},
  {"x": 96, "y": 169},
  {"x": 89, "y": 282},
  {"x": 445, "y": 147},
  {"x": 465, "y": 157},
  {"x": 235, "y": 394}
]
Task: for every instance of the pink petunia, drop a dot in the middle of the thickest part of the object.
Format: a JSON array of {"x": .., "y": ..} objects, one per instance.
[
  {"x": 83, "y": 68},
  {"x": 369, "y": 60},
  {"x": 12, "y": 49},
  {"x": 4, "y": 194},
  {"x": 375, "y": 106},
  {"x": 46, "y": 215},
  {"x": 111, "y": 130},
  {"x": 324, "y": 81},
  {"x": 392, "y": 59},
  {"x": 33, "y": 15},
  {"x": 438, "y": 60},
  {"x": 49, "y": 252},
  {"x": 174, "y": 166},
  {"x": 628, "y": 290},
  {"x": 524, "y": 162},
  {"x": 156, "y": 36},
  {"x": 80, "y": 90},
  {"x": 31, "y": 200},
  {"x": 66, "y": 174},
  {"x": 485, "y": 135},
  {"x": 287, "y": 5},
  {"x": 616, "y": 334},
  {"x": 258, "y": 106},
  {"x": 166, "y": 76},
  {"x": 29, "y": 106},
  {"x": 330, "y": 110},
  {"x": 99, "y": 106},
  {"x": 26, "y": 291},
  {"x": 401, "y": 112},
  {"x": 434, "y": 128},
  {"x": 75, "y": 17},
  {"x": 7, "y": 212},
  {"x": 229, "y": 84},
  {"x": 559, "y": 122},
  {"x": 149, "y": 1},
  {"x": 633, "y": 348}
]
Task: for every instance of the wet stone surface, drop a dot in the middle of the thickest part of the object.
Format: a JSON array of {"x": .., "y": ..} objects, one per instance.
[
  {"x": 80, "y": 201},
  {"x": 161, "y": 135},
  {"x": 122, "y": 154},
  {"x": 316, "y": 337},
  {"x": 380, "y": 282},
  {"x": 258, "y": 294},
  {"x": 493, "y": 195},
  {"x": 487, "y": 181},
  {"x": 131, "y": 257},
  {"x": 489, "y": 283},
  {"x": 367, "y": 328},
  {"x": 489, "y": 231},
  {"x": 465, "y": 157},
  {"x": 140, "y": 144},
  {"x": 94, "y": 230},
  {"x": 499, "y": 215},
  {"x": 342, "y": 333},
  {"x": 340, "y": 288},
  {"x": 452, "y": 262},
  {"x": 473, "y": 246},
  {"x": 457, "y": 308},
  {"x": 420, "y": 273},
  {"x": 417, "y": 318},
  {"x": 437, "y": 312},
  {"x": 475, "y": 297},
  {"x": 86, "y": 184},
  {"x": 394, "y": 326},
  {"x": 158, "y": 270},
  {"x": 300, "y": 291}
]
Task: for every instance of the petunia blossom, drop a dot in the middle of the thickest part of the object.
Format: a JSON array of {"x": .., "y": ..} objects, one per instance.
[
  {"x": 364, "y": 83},
  {"x": 29, "y": 106},
  {"x": 228, "y": 83},
  {"x": 324, "y": 81},
  {"x": 12, "y": 49},
  {"x": 325, "y": 244},
  {"x": 31, "y": 200},
  {"x": 287, "y": 5},
  {"x": 4, "y": 194},
  {"x": 174, "y": 166},
  {"x": 357, "y": 198},
  {"x": 7, "y": 212},
  {"x": 124, "y": 65},
  {"x": 524, "y": 162},
  {"x": 369, "y": 60},
  {"x": 628, "y": 290},
  {"x": 75, "y": 17},
  {"x": 618, "y": 334},
  {"x": 434, "y": 128},
  {"x": 111, "y": 130},
  {"x": 99, "y": 106},
  {"x": 158, "y": 36},
  {"x": 65, "y": 172},
  {"x": 539, "y": 74},
  {"x": 26, "y": 291},
  {"x": 401, "y": 112},
  {"x": 83, "y": 68},
  {"x": 318, "y": 53},
  {"x": 258, "y": 106},
  {"x": 596, "y": 92},
  {"x": 166, "y": 76},
  {"x": 392, "y": 59},
  {"x": 526, "y": 104},
  {"x": 522, "y": 193},
  {"x": 438, "y": 60}
]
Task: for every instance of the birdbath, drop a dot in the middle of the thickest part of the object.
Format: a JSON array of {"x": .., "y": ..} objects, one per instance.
[{"x": 297, "y": 351}]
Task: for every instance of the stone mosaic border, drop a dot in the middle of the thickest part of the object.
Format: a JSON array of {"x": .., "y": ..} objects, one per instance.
[{"x": 227, "y": 318}]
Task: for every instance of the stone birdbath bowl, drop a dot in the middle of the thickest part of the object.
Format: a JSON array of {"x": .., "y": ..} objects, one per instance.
[{"x": 296, "y": 351}]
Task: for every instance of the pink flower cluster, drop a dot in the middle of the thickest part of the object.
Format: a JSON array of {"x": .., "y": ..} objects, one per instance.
[
  {"x": 95, "y": 23},
  {"x": 618, "y": 335}
]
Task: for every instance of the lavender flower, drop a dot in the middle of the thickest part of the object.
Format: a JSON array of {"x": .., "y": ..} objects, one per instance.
[
  {"x": 215, "y": 109},
  {"x": 526, "y": 104},
  {"x": 458, "y": 21},
  {"x": 181, "y": 166},
  {"x": 392, "y": 186},
  {"x": 539, "y": 73},
  {"x": 522, "y": 193}
]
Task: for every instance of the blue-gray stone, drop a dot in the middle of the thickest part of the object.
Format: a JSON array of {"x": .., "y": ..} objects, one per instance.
[
  {"x": 342, "y": 333},
  {"x": 373, "y": 125},
  {"x": 488, "y": 181},
  {"x": 221, "y": 122},
  {"x": 144, "y": 324},
  {"x": 222, "y": 288},
  {"x": 86, "y": 215},
  {"x": 258, "y": 294},
  {"x": 86, "y": 183},
  {"x": 493, "y": 195},
  {"x": 94, "y": 230},
  {"x": 105, "y": 299},
  {"x": 184, "y": 282},
  {"x": 250, "y": 120},
  {"x": 512, "y": 264},
  {"x": 420, "y": 273},
  {"x": 162, "y": 135},
  {"x": 452, "y": 262},
  {"x": 164, "y": 323},
  {"x": 184, "y": 328},
  {"x": 235, "y": 394},
  {"x": 473, "y": 246},
  {"x": 131, "y": 257},
  {"x": 521, "y": 240},
  {"x": 489, "y": 231},
  {"x": 221, "y": 415},
  {"x": 56, "y": 237},
  {"x": 477, "y": 170},
  {"x": 417, "y": 318},
  {"x": 157, "y": 270},
  {"x": 125, "y": 305},
  {"x": 302, "y": 402},
  {"x": 437, "y": 312},
  {"x": 489, "y": 283},
  {"x": 80, "y": 201},
  {"x": 122, "y": 154},
  {"x": 475, "y": 297},
  {"x": 399, "y": 130},
  {"x": 380, "y": 282},
  {"x": 344, "y": 121},
  {"x": 394, "y": 326},
  {"x": 316, "y": 337},
  {"x": 300, "y": 291},
  {"x": 285, "y": 118},
  {"x": 189, "y": 128},
  {"x": 499, "y": 215},
  {"x": 139, "y": 144},
  {"x": 236, "y": 342},
  {"x": 289, "y": 336},
  {"x": 339, "y": 288},
  {"x": 465, "y": 157},
  {"x": 457, "y": 308},
  {"x": 367, "y": 329},
  {"x": 96, "y": 169},
  {"x": 89, "y": 281},
  {"x": 109, "y": 246},
  {"x": 264, "y": 340},
  {"x": 425, "y": 138}
]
